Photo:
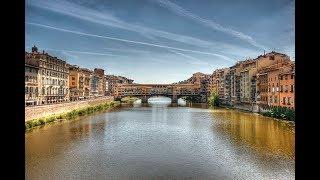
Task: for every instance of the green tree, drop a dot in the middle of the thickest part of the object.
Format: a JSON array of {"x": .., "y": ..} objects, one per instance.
[{"x": 214, "y": 99}]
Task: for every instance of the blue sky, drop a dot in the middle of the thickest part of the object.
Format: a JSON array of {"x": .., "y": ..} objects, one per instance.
[{"x": 159, "y": 41}]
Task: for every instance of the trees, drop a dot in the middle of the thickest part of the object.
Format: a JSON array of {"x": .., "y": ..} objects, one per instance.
[{"x": 214, "y": 99}]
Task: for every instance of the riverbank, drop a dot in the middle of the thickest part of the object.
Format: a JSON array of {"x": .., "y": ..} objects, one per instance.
[
  {"x": 70, "y": 115},
  {"x": 279, "y": 114},
  {"x": 128, "y": 100}
]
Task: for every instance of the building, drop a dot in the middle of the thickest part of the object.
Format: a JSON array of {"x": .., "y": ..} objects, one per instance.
[
  {"x": 218, "y": 84},
  {"x": 31, "y": 80},
  {"x": 271, "y": 58},
  {"x": 112, "y": 80},
  {"x": 270, "y": 67},
  {"x": 98, "y": 83},
  {"x": 247, "y": 76},
  {"x": 53, "y": 77},
  {"x": 79, "y": 83},
  {"x": 287, "y": 88}
]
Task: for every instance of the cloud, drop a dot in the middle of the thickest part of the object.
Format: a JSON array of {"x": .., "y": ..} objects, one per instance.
[
  {"x": 107, "y": 19},
  {"x": 209, "y": 23},
  {"x": 124, "y": 40}
]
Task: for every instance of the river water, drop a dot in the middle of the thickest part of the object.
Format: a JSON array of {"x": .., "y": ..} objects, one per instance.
[{"x": 162, "y": 142}]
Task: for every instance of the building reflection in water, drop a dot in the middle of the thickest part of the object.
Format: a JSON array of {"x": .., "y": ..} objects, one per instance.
[{"x": 262, "y": 134}]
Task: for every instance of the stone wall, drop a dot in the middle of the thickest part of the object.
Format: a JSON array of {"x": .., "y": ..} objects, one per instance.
[{"x": 47, "y": 110}]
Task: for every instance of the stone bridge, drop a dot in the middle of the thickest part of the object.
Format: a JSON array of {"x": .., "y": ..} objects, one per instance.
[{"x": 173, "y": 91}]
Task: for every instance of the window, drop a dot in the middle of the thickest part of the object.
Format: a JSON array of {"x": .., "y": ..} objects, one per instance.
[
  {"x": 286, "y": 77},
  {"x": 286, "y": 88},
  {"x": 291, "y": 76},
  {"x": 275, "y": 99},
  {"x": 291, "y": 88},
  {"x": 289, "y": 102},
  {"x": 284, "y": 100},
  {"x": 73, "y": 78}
]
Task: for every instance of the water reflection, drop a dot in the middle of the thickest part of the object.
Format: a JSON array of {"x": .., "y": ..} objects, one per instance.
[
  {"x": 263, "y": 134},
  {"x": 158, "y": 140}
]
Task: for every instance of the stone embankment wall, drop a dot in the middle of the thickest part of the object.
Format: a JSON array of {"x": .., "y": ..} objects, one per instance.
[
  {"x": 248, "y": 107},
  {"x": 48, "y": 110}
]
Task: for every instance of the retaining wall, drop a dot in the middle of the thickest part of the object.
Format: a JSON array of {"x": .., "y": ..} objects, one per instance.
[{"x": 48, "y": 110}]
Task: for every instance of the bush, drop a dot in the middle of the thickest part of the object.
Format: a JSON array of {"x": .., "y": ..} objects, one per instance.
[
  {"x": 41, "y": 121},
  {"x": 29, "y": 124},
  {"x": 281, "y": 113},
  {"x": 50, "y": 119}
]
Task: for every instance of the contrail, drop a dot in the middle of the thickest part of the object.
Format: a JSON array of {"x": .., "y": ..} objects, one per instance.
[
  {"x": 119, "y": 39},
  {"x": 182, "y": 12},
  {"x": 83, "y": 52}
]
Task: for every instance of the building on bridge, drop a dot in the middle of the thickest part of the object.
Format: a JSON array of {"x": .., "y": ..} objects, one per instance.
[
  {"x": 145, "y": 91},
  {"x": 112, "y": 80}
]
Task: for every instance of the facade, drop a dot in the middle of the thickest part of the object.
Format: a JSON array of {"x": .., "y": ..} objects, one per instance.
[
  {"x": 53, "y": 77},
  {"x": 31, "y": 81},
  {"x": 247, "y": 85},
  {"x": 219, "y": 84},
  {"x": 98, "y": 83},
  {"x": 262, "y": 89},
  {"x": 256, "y": 82},
  {"x": 287, "y": 88},
  {"x": 79, "y": 83},
  {"x": 145, "y": 91},
  {"x": 112, "y": 80},
  {"x": 271, "y": 66},
  {"x": 74, "y": 82}
]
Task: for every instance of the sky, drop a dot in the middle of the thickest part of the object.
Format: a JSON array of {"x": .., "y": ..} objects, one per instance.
[{"x": 159, "y": 41}]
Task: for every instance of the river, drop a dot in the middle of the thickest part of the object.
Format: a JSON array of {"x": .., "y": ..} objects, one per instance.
[{"x": 162, "y": 142}]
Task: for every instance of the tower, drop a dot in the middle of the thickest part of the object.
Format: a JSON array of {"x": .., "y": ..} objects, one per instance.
[{"x": 34, "y": 49}]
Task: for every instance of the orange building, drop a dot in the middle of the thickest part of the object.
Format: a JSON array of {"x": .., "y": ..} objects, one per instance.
[
  {"x": 79, "y": 82},
  {"x": 269, "y": 66},
  {"x": 287, "y": 88}
]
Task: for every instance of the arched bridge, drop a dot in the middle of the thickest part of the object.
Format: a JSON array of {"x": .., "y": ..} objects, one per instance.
[{"x": 173, "y": 91}]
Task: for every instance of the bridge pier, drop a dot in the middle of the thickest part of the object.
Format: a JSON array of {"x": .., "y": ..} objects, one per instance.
[{"x": 144, "y": 100}]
